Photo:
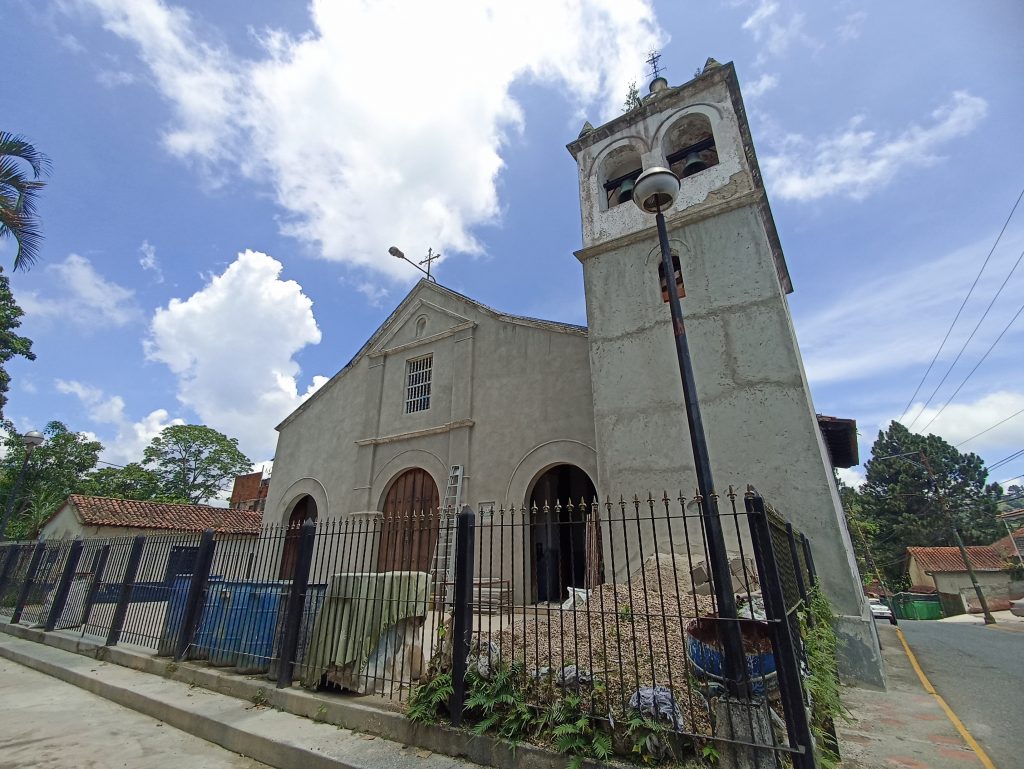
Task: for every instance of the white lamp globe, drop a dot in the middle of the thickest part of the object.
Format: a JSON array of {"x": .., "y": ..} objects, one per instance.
[{"x": 656, "y": 190}]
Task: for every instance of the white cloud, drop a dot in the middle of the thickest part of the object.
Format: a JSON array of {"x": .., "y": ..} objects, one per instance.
[
  {"x": 858, "y": 161},
  {"x": 960, "y": 421},
  {"x": 761, "y": 86},
  {"x": 774, "y": 33},
  {"x": 148, "y": 261},
  {"x": 131, "y": 437},
  {"x": 882, "y": 323},
  {"x": 852, "y": 25},
  {"x": 374, "y": 293},
  {"x": 407, "y": 151},
  {"x": 851, "y": 476},
  {"x": 83, "y": 297},
  {"x": 232, "y": 346},
  {"x": 113, "y": 78}
]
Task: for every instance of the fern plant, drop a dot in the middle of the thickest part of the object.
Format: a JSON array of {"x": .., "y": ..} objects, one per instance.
[
  {"x": 428, "y": 698},
  {"x": 575, "y": 734},
  {"x": 500, "y": 703},
  {"x": 820, "y": 644}
]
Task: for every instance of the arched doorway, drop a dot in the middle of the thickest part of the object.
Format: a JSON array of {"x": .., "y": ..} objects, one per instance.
[
  {"x": 411, "y": 521},
  {"x": 304, "y": 510},
  {"x": 559, "y": 532}
]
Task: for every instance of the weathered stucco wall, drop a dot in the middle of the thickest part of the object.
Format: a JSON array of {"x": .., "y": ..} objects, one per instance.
[
  {"x": 755, "y": 402},
  {"x": 509, "y": 399}
]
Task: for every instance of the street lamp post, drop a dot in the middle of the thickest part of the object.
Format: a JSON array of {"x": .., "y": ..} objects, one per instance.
[
  {"x": 655, "y": 190},
  {"x": 30, "y": 440}
]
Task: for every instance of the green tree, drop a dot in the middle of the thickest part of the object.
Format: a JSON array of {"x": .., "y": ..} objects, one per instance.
[
  {"x": 133, "y": 481},
  {"x": 57, "y": 469},
  {"x": 194, "y": 462},
  {"x": 907, "y": 508},
  {"x": 19, "y": 192},
  {"x": 11, "y": 344}
]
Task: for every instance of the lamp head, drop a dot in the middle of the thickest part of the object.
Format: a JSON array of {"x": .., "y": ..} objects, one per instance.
[
  {"x": 32, "y": 440},
  {"x": 656, "y": 190},
  {"x": 396, "y": 252}
]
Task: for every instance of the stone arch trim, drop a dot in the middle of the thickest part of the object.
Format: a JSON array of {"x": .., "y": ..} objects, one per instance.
[
  {"x": 299, "y": 489},
  {"x": 561, "y": 451},
  {"x": 710, "y": 111},
  {"x": 407, "y": 460},
  {"x": 635, "y": 141}
]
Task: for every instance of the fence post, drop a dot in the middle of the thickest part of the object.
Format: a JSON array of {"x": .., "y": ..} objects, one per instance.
[
  {"x": 296, "y": 604},
  {"x": 798, "y": 569},
  {"x": 30, "y": 576},
  {"x": 811, "y": 573},
  {"x": 131, "y": 569},
  {"x": 462, "y": 619},
  {"x": 195, "y": 599},
  {"x": 12, "y": 553},
  {"x": 94, "y": 588},
  {"x": 787, "y": 662},
  {"x": 60, "y": 597}
]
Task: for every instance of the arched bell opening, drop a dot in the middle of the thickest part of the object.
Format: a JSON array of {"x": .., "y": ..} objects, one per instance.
[
  {"x": 565, "y": 542},
  {"x": 619, "y": 171},
  {"x": 689, "y": 145},
  {"x": 304, "y": 510}
]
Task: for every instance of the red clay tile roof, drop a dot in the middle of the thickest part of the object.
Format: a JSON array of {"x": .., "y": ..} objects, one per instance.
[
  {"x": 947, "y": 559},
  {"x": 1005, "y": 546},
  {"x": 103, "y": 511}
]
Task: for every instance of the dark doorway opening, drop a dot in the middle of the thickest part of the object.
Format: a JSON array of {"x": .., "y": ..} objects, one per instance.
[
  {"x": 304, "y": 510},
  {"x": 411, "y": 523},
  {"x": 558, "y": 532}
]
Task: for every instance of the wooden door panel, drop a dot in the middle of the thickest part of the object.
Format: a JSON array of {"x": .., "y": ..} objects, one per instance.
[{"x": 410, "y": 526}]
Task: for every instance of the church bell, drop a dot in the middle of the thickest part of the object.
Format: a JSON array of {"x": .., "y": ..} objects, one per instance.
[
  {"x": 626, "y": 191},
  {"x": 693, "y": 164}
]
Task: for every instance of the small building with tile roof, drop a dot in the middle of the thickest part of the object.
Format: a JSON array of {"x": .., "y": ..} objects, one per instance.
[
  {"x": 942, "y": 569},
  {"x": 89, "y": 517}
]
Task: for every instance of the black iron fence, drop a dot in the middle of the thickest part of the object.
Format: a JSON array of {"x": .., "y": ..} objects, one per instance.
[{"x": 607, "y": 605}]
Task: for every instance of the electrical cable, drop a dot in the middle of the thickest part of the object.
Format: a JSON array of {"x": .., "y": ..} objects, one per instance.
[
  {"x": 978, "y": 364},
  {"x": 1005, "y": 460},
  {"x": 964, "y": 347},
  {"x": 962, "y": 305},
  {"x": 993, "y": 427}
]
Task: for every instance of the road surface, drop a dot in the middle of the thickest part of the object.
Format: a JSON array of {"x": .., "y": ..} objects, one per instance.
[
  {"x": 979, "y": 671},
  {"x": 48, "y": 724}
]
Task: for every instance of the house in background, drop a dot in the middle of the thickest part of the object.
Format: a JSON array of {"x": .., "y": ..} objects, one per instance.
[
  {"x": 1011, "y": 547},
  {"x": 942, "y": 570},
  {"x": 173, "y": 531},
  {"x": 250, "y": 492}
]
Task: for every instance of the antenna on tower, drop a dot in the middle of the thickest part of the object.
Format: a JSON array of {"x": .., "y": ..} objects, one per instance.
[{"x": 653, "y": 61}]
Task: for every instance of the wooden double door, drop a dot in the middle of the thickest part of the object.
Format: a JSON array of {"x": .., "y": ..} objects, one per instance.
[{"x": 411, "y": 521}]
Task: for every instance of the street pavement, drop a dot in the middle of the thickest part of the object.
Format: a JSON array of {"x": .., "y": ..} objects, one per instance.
[
  {"x": 979, "y": 671},
  {"x": 48, "y": 724}
]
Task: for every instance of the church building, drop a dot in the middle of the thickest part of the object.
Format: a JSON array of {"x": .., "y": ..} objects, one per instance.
[{"x": 451, "y": 401}]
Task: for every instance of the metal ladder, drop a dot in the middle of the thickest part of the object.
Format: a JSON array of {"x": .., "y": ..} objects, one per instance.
[{"x": 444, "y": 555}]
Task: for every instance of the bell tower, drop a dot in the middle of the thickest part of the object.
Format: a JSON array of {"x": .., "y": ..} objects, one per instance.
[{"x": 728, "y": 263}]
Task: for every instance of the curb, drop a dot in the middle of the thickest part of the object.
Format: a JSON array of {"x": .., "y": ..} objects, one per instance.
[{"x": 330, "y": 733}]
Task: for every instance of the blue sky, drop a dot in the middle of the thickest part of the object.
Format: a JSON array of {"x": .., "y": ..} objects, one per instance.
[{"x": 228, "y": 177}]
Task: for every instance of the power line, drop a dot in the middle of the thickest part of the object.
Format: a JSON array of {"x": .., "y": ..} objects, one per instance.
[
  {"x": 969, "y": 338},
  {"x": 978, "y": 364},
  {"x": 962, "y": 305},
  {"x": 1005, "y": 460},
  {"x": 993, "y": 427}
]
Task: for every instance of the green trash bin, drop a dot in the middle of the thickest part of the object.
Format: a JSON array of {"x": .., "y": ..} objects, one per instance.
[{"x": 927, "y": 609}]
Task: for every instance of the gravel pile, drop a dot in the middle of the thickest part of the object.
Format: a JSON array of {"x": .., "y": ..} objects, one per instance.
[{"x": 626, "y": 636}]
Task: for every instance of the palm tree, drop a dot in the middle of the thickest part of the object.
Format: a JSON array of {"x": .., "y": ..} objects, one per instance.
[{"x": 18, "y": 196}]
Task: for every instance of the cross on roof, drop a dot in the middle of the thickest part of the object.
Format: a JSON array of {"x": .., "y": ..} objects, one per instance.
[{"x": 653, "y": 59}]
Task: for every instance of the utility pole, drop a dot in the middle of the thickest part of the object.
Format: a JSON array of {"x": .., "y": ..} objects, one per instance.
[{"x": 989, "y": 619}]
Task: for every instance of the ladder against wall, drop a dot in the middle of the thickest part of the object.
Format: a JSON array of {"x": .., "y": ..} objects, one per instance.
[{"x": 444, "y": 556}]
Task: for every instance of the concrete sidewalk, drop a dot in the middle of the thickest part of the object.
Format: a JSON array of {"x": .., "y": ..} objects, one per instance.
[{"x": 904, "y": 727}]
